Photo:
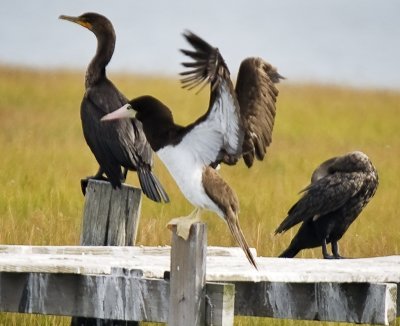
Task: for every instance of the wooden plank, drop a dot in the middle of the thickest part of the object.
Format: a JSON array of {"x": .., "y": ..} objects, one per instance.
[
  {"x": 220, "y": 304},
  {"x": 128, "y": 296},
  {"x": 347, "y": 302},
  {"x": 108, "y": 297},
  {"x": 120, "y": 296},
  {"x": 361, "y": 270},
  {"x": 114, "y": 251},
  {"x": 219, "y": 268},
  {"x": 188, "y": 278}
]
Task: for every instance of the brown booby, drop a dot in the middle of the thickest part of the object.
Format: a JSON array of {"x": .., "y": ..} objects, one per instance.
[
  {"x": 238, "y": 123},
  {"x": 339, "y": 190},
  {"x": 120, "y": 144}
]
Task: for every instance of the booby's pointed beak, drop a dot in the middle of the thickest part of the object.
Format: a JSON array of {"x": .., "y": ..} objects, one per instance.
[
  {"x": 125, "y": 111},
  {"x": 76, "y": 20}
]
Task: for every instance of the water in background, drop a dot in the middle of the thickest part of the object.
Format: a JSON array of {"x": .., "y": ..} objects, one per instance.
[{"x": 343, "y": 42}]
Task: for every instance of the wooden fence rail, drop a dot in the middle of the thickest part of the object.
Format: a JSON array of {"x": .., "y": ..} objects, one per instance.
[{"x": 192, "y": 284}]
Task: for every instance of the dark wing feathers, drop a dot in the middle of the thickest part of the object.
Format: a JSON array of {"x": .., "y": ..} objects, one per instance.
[
  {"x": 208, "y": 63},
  {"x": 218, "y": 133},
  {"x": 257, "y": 93},
  {"x": 119, "y": 143},
  {"x": 322, "y": 197},
  {"x": 150, "y": 185}
]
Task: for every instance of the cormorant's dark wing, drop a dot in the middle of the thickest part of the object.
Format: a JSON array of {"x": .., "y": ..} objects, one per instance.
[
  {"x": 322, "y": 197},
  {"x": 118, "y": 143},
  {"x": 257, "y": 93},
  {"x": 218, "y": 132}
]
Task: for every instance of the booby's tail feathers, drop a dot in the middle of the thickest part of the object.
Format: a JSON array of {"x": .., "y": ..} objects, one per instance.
[{"x": 237, "y": 233}]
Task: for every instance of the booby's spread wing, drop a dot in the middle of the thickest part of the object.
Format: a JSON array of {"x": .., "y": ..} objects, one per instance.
[
  {"x": 219, "y": 132},
  {"x": 251, "y": 105},
  {"x": 322, "y": 197},
  {"x": 256, "y": 93}
]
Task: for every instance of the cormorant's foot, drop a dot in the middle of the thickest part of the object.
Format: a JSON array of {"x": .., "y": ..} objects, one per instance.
[
  {"x": 339, "y": 257},
  {"x": 84, "y": 182},
  {"x": 333, "y": 257},
  {"x": 183, "y": 224}
]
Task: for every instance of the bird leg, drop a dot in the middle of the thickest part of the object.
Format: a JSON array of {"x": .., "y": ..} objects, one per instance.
[
  {"x": 335, "y": 250},
  {"x": 184, "y": 223},
  {"x": 325, "y": 251},
  {"x": 97, "y": 176},
  {"x": 125, "y": 173}
]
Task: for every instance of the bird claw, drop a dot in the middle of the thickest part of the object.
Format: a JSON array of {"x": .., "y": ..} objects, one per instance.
[
  {"x": 84, "y": 182},
  {"x": 339, "y": 257},
  {"x": 333, "y": 257},
  {"x": 183, "y": 224}
]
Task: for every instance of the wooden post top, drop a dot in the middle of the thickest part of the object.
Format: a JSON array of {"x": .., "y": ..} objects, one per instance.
[{"x": 111, "y": 216}]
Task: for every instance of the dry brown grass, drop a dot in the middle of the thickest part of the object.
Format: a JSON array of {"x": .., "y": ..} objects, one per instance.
[{"x": 44, "y": 156}]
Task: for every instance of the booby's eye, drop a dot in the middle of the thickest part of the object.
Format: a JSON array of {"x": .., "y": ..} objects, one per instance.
[{"x": 130, "y": 107}]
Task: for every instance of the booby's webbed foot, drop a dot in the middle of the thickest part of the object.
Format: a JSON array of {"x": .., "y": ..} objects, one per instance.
[{"x": 184, "y": 223}]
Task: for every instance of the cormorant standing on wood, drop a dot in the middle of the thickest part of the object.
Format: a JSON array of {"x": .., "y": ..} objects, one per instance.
[
  {"x": 120, "y": 144},
  {"x": 238, "y": 123},
  {"x": 339, "y": 190}
]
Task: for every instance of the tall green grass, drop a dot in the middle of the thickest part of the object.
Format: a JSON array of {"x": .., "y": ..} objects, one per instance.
[{"x": 44, "y": 156}]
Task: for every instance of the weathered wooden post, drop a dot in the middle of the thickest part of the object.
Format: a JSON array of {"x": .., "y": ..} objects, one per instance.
[
  {"x": 188, "y": 277},
  {"x": 110, "y": 218}
]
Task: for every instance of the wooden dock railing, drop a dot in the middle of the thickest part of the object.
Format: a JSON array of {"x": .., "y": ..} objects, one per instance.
[{"x": 190, "y": 283}]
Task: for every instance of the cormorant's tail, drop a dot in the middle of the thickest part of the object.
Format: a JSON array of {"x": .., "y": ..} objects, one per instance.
[
  {"x": 289, "y": 252},
  {"x": 150, "y": 185}
]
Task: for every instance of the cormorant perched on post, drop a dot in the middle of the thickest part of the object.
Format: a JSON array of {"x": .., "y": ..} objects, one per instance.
[
  {"x": 120, "y": 144},
  {"x": 238, "y": 123},
  {"x": 339, "y": 190}
]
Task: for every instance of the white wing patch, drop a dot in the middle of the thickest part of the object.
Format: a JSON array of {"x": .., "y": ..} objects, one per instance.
[{"x": 219, "y": 131}]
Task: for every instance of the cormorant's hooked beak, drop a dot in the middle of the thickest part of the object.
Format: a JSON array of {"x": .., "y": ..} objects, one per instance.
[
  {"x": 76, "y": 20},
  {"x": 125, "y": 111}
]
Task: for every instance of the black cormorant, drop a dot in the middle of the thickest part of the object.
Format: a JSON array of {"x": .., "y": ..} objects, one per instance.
[
  {"x": 120, "y": 145},
  {"x": 340, "y": 188},
  {"x": 238, "y": 123}
]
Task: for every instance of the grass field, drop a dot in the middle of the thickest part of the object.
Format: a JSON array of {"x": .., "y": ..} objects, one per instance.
[{"x": 44, "y": 156}]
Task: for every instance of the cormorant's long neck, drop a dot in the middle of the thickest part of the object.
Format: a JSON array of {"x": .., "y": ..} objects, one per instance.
[{"x": 97, "y": 67}]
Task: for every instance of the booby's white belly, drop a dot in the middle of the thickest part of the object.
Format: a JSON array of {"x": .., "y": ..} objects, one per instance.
[{"x": 187, "y": 173}]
